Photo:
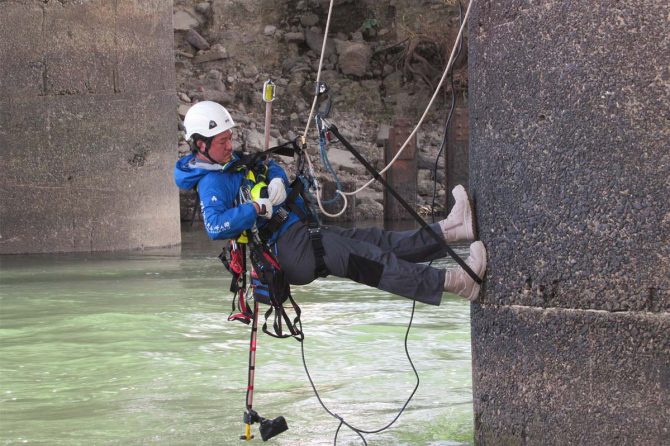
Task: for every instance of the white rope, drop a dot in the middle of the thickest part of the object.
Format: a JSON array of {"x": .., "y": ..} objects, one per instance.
[
  {"x": 430, "y": 104},
  {"x": 311, "y": 115},
  {"x": 318, "y": 73},
  {"x": 423, "y": 117},
  {"x": 409, "y": 138}
]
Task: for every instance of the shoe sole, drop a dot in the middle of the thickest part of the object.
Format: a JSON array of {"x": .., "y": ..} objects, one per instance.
[{"x": 477, "y": 288}]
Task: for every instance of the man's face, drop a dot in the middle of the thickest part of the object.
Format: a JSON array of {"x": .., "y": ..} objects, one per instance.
[{"x": 221, "y": 147}]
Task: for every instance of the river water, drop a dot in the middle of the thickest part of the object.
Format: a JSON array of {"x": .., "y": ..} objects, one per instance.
[{"x": 135, "y": 349}]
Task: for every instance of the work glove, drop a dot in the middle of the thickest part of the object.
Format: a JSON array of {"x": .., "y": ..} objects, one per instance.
[
  {"x": 276, "y": 191},
  {"x": 265, "y": 206}
]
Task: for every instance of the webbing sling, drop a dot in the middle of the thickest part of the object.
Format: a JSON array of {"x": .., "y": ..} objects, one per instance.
[
  {"x": 313, "y": 226},
  {"x": 271, "y": 288},
  {"x": 279, "y": 216},
  {"x": 236, "y": 264}
]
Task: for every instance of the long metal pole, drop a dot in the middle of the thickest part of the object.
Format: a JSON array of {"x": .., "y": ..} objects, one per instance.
[
  {"x": 404, "y": 204},
  {"x": 252, "y": 373},
  {"x": 268, "y": 118},
  {"x": 268, "y": 97}
]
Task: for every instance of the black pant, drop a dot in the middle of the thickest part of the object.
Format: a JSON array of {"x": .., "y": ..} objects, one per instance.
[{"x": 371, "y": 256}]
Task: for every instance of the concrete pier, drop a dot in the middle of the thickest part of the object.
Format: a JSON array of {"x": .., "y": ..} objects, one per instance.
[
  {"x": 569, "y": 167},
  {"x": 87, "y": 126}
]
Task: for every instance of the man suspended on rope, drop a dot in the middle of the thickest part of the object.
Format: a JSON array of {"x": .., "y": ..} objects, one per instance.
[{"x": 387, "y": 260}]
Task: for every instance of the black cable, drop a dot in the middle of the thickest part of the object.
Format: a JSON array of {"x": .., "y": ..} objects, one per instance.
[
  {"x": 337, "y": 432},
  {"x": 443, "y": 145},
  {"x": 359, "y": 431}
]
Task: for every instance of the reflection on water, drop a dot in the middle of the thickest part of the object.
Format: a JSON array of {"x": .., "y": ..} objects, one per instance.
[{"x": 135, "y": 349}]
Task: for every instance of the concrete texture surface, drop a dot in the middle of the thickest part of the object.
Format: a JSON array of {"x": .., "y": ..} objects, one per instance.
[
  {"x": 87, "y": 126},
  {"x": 557, "y": 376},
  {"x": 569, "y": 168}
]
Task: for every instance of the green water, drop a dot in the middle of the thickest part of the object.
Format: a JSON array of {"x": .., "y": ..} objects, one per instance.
[{"x": 134, "y": 349}]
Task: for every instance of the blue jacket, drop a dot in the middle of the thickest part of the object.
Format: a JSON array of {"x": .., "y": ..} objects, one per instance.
[{"x": 218, "y": 188}]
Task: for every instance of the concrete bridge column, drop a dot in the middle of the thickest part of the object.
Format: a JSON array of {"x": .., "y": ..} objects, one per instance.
[
  {"x": 569, "y": 167},
  {"x": 87, "y": 126}
]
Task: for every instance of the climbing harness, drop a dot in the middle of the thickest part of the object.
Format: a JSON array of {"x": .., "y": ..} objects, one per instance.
[
  {"x": 267, "y": 283},
  {"x": 271, "y": 288},
  {"x": 235, "y": 262}
]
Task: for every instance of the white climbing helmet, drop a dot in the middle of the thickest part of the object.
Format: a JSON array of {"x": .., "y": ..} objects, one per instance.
[{"x": 207, "y": 118}]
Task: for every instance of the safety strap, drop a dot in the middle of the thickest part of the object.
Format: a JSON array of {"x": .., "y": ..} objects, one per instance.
[
  {"x": 313, "y": 226},
  {"x": 270, "y": 274},
  {"x": 236, "y": 265},
  {"x": 280, "y": 314},
  {"x": 279, "y": 216}
]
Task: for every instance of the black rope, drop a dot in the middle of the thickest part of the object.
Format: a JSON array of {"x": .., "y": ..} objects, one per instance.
[
  {"x": 443, "y": 145},
  {"x": 342, "y": 422},
  {"x": 355, "y": 429},
  {"x": 377, "y": 176}
]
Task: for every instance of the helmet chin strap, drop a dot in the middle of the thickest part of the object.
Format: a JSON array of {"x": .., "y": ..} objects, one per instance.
[{"x": 196, "y": 150}]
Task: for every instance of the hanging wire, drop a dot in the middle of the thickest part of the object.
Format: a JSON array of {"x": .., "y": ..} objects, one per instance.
[
  {"x": 357, "y": 430},
  {"x": 423, "y": 116},
  {"x": 443, "y": 145},
  {"x": 318, "y": 72},
  {"x": 458, "y": 44},
  {"x": 323, "y": 149}
]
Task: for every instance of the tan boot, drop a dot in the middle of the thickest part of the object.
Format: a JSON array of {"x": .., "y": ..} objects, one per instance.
[
  {"x": 459, "y": 225},
  {"x": 457, "y": 281}
]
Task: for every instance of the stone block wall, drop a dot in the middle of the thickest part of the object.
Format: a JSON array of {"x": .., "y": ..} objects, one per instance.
[
  {"x": 569, "y": 168},
  {"x": 87, "y": 126}
]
